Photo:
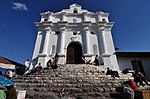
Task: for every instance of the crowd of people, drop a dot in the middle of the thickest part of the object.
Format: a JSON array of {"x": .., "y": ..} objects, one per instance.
[
  {"x": 7, "y": 89},
  {"x": 138, "y": 81},
  {"x": 53, "y": 63},
  {"x": 111, "y": 72},
  {"x": 95, "y": 62},
  {"x": 9, "y": 73},
  {"x": 139, "y": 78},
  {"x": 8, "y": 92}
]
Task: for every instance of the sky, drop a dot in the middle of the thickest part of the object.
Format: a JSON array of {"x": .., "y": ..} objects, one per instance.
[{"x": 131, "y": 31}]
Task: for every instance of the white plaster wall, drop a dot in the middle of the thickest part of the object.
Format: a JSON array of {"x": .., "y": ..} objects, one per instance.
[
  {"x": 93, "y": 40},
  {"x": 37, "y": 45},
  {"x": 69, "y": 35},
  {"x": 75, "y": 7},
  {"x": 125, "y": 62},
  {"x": 109, "y": 41},
  {"x": 114, "y": 62},
  {"x": 56, "y": 18},
  {"x": 92, "y": 18},
  {"x": 77, "y": 17},
  {"x": 52, "y": 41},
  {"x": 106, "y": 18}
]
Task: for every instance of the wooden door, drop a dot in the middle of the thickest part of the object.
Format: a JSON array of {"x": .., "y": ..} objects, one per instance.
[
  {"x": 70, "y": 54},
  {"x": 138, "y": 66},
  {"x": 74, "y": 53}
]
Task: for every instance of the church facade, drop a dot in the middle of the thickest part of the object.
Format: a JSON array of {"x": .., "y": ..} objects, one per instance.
[{"x": 73, "y": 33}]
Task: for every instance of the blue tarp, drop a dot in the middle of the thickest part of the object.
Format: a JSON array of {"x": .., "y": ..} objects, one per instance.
[
  {"x": 5, "y": 81},
  {"x": 3, "y": 69}
]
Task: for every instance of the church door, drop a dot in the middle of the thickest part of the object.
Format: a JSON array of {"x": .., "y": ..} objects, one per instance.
[{"x": 74, "y": 53}]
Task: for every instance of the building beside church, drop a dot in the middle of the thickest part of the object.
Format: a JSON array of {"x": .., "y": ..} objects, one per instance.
[
  {"x": 6, "y": 63},
  {"x": 139, "y": 61},
  {"x": 73, "y": 33}
]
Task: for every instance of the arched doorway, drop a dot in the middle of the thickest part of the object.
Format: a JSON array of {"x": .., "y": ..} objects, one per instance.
[{"x": 74, "y": 53}]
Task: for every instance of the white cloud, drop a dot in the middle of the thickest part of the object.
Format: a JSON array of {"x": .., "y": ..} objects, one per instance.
[{"x": 19, "y": 6}]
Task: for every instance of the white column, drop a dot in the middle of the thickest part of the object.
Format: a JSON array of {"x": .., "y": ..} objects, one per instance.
[
  {"x": 85, "y": 16},
  {"x": 42, "y": 18},
  {"x": 49, "y": 16},
  {"x": 62, "y": 41},
  {"x": 63, "y": 16},
  {"x": 98, "y": 16},
  {"x": 102, "y": 33},
  {"x": 87, "y": 40},
  {"x": 46, "y": 41}
]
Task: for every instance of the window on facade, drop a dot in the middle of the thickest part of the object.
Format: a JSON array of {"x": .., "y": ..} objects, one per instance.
[
  {"x": 57, "y": 32},
  {"x": 74, "y": 20},
  {"x": 103, "y": 19},
  {"x": 74, "y": 33},
  {"x": 92, "y": 33},
  {"x": 75, "y": 11},
  {"x": 53, "y": 49},
  {"x": 95, "y": 49},
  {"x": 45, "y": 19}
]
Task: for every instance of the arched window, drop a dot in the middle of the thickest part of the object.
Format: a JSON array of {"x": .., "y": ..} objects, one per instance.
[
  {"x": 95, "y": 49},
  {"x": 57, "y": 32},
  {"x": 74, "y": 33},
  {"x": 75, "y": 10},
  {"x": 53, "y": 49},
  {"x": 45, "y": 19},
  {"x": 74, "y": 20},
  {"x": 92, "y": 32},
  {"x": 103, "y": 19}
]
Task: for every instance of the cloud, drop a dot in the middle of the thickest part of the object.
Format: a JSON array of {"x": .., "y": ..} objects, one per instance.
[{"x": 19, "y": 6}]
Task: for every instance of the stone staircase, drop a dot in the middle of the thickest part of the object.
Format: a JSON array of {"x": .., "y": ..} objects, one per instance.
[{"x": 71, "y": 81}]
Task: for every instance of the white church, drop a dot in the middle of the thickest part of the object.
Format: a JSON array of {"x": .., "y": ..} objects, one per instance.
[{"x": 77, "y": 32}]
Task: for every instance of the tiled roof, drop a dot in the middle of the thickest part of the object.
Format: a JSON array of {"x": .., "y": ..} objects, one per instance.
[
  {"x": 8, "y": 61},
  {"x": 133, "y": 54},
  {"x": 4, "y": 60}
]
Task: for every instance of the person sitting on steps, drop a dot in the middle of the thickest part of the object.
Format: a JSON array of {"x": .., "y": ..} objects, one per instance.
[
  {"x": 56, "y": 58},
  {"x": 84, "y": 61},
  {"x": 53, "y": 64},
  {"x": 112, "y": 73},
  {"x": 96, "y": 61},
  {"x": 38, "y": 68},
  {"x": 139, "y": 78},
  {"x": 49, "y": 63}
]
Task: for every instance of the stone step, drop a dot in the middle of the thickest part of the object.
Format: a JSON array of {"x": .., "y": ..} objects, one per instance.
[
  {"x": 77, "y": 81},
  {"x": 60, "y": 76},
  {"x": 84, "y": 81},
  {"x": 70, "y": 90}
]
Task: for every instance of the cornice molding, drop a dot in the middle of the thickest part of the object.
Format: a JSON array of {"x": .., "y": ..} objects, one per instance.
[{"x": 101, "y": 24}]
